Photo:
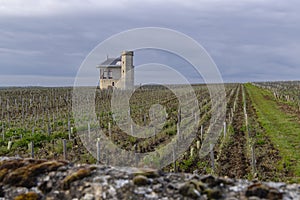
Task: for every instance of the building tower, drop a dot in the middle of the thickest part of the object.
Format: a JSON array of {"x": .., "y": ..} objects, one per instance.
[
  {"x": 117, "y": 72},
  {"x": 127, "y": 70}
]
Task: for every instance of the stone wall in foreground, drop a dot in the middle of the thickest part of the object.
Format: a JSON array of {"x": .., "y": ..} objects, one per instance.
[{"x": 44, "y": 179}]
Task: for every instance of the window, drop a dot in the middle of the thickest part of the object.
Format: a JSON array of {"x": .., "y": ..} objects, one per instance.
[
  {"x": 109, "y": 74},
  {"x": 104, "y": 76},
  {"x": 101, "y": 73}
]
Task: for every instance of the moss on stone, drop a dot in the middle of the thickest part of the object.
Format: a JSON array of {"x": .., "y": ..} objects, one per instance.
[
  {"x": 27, "y": 196},
  {"x": 26, "y": 176},
  {"x": 149, "y": 173},
  {"x": 213, "y": 193},
  {"x": 190, "y": 189},
  {"x": 140, "y": 180},
  {"x": 3, "y": 173},
  {"x": 81, "y": 173}
]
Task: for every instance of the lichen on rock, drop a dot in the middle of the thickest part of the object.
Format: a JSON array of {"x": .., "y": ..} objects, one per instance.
[
  {"x": 81, "y": 173},
  {"x": 26, "y": 175}
]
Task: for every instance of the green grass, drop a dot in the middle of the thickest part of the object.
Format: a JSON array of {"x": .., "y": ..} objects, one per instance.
[{"x": 282, "y": 128}]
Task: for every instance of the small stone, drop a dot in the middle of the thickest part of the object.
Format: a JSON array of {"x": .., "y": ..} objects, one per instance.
[
  {"x": 81, "y": 173},
  {"x": 158, "y": 188},
  {"x": 263, "y": 191},
  {"x": 198, "y": 185},
  {"x": 212, "y": 181},
  {"x": 88, "y": 197},
  {"x": 225, "y": 181},
  {"x": 149, "y": 173},
  {"x": 189, "y": 189},
  {"x": 276, "y": 184},
  {"x": 213, "y": 193},
  {"x": 152, "y": 195},
  {"x": 209, "y": 179},
  {"x": 254, "y": 198},
  {"x": 231, "y": 198},
  {"x": 28, "y": 195},
  {"x": 172, "y": 186},
  {"x": 140, "y": 180}
]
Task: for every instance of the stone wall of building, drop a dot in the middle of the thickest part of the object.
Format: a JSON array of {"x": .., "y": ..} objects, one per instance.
[{"x": 105, "y": 83}]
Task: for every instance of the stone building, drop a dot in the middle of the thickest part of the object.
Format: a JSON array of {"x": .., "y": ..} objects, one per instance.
[{"x": 117, "y": 72}]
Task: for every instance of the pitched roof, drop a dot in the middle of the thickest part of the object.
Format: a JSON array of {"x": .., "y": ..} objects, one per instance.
[{"x": 111, "y": 62}]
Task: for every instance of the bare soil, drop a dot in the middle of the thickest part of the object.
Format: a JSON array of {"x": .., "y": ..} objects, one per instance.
[{"x": 233, "y": 163}]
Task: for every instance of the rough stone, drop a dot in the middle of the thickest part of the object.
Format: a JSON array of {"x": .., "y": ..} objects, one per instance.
[
  {"x": 263, "y": 191},
  {"x": 140, "y": 180},
  {"x": 42, "y": 179}
]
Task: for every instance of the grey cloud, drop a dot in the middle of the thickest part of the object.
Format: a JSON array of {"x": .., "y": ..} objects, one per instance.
[
  {"x": 18, "y": 51},
  {"x": 245, "y": 38}
]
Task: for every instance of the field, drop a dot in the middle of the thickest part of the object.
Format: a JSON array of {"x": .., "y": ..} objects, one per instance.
[{"x": 258, "y": 138}]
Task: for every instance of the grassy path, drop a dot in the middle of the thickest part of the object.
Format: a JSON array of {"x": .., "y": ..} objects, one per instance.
[{"x": 282, "y": 128}]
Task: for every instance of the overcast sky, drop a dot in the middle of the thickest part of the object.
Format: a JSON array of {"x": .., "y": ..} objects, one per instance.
[{"x": 44, "y": 42}]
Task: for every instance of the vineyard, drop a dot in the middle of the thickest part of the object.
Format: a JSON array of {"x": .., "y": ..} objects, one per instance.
[{"x": 257, "y": 138}]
